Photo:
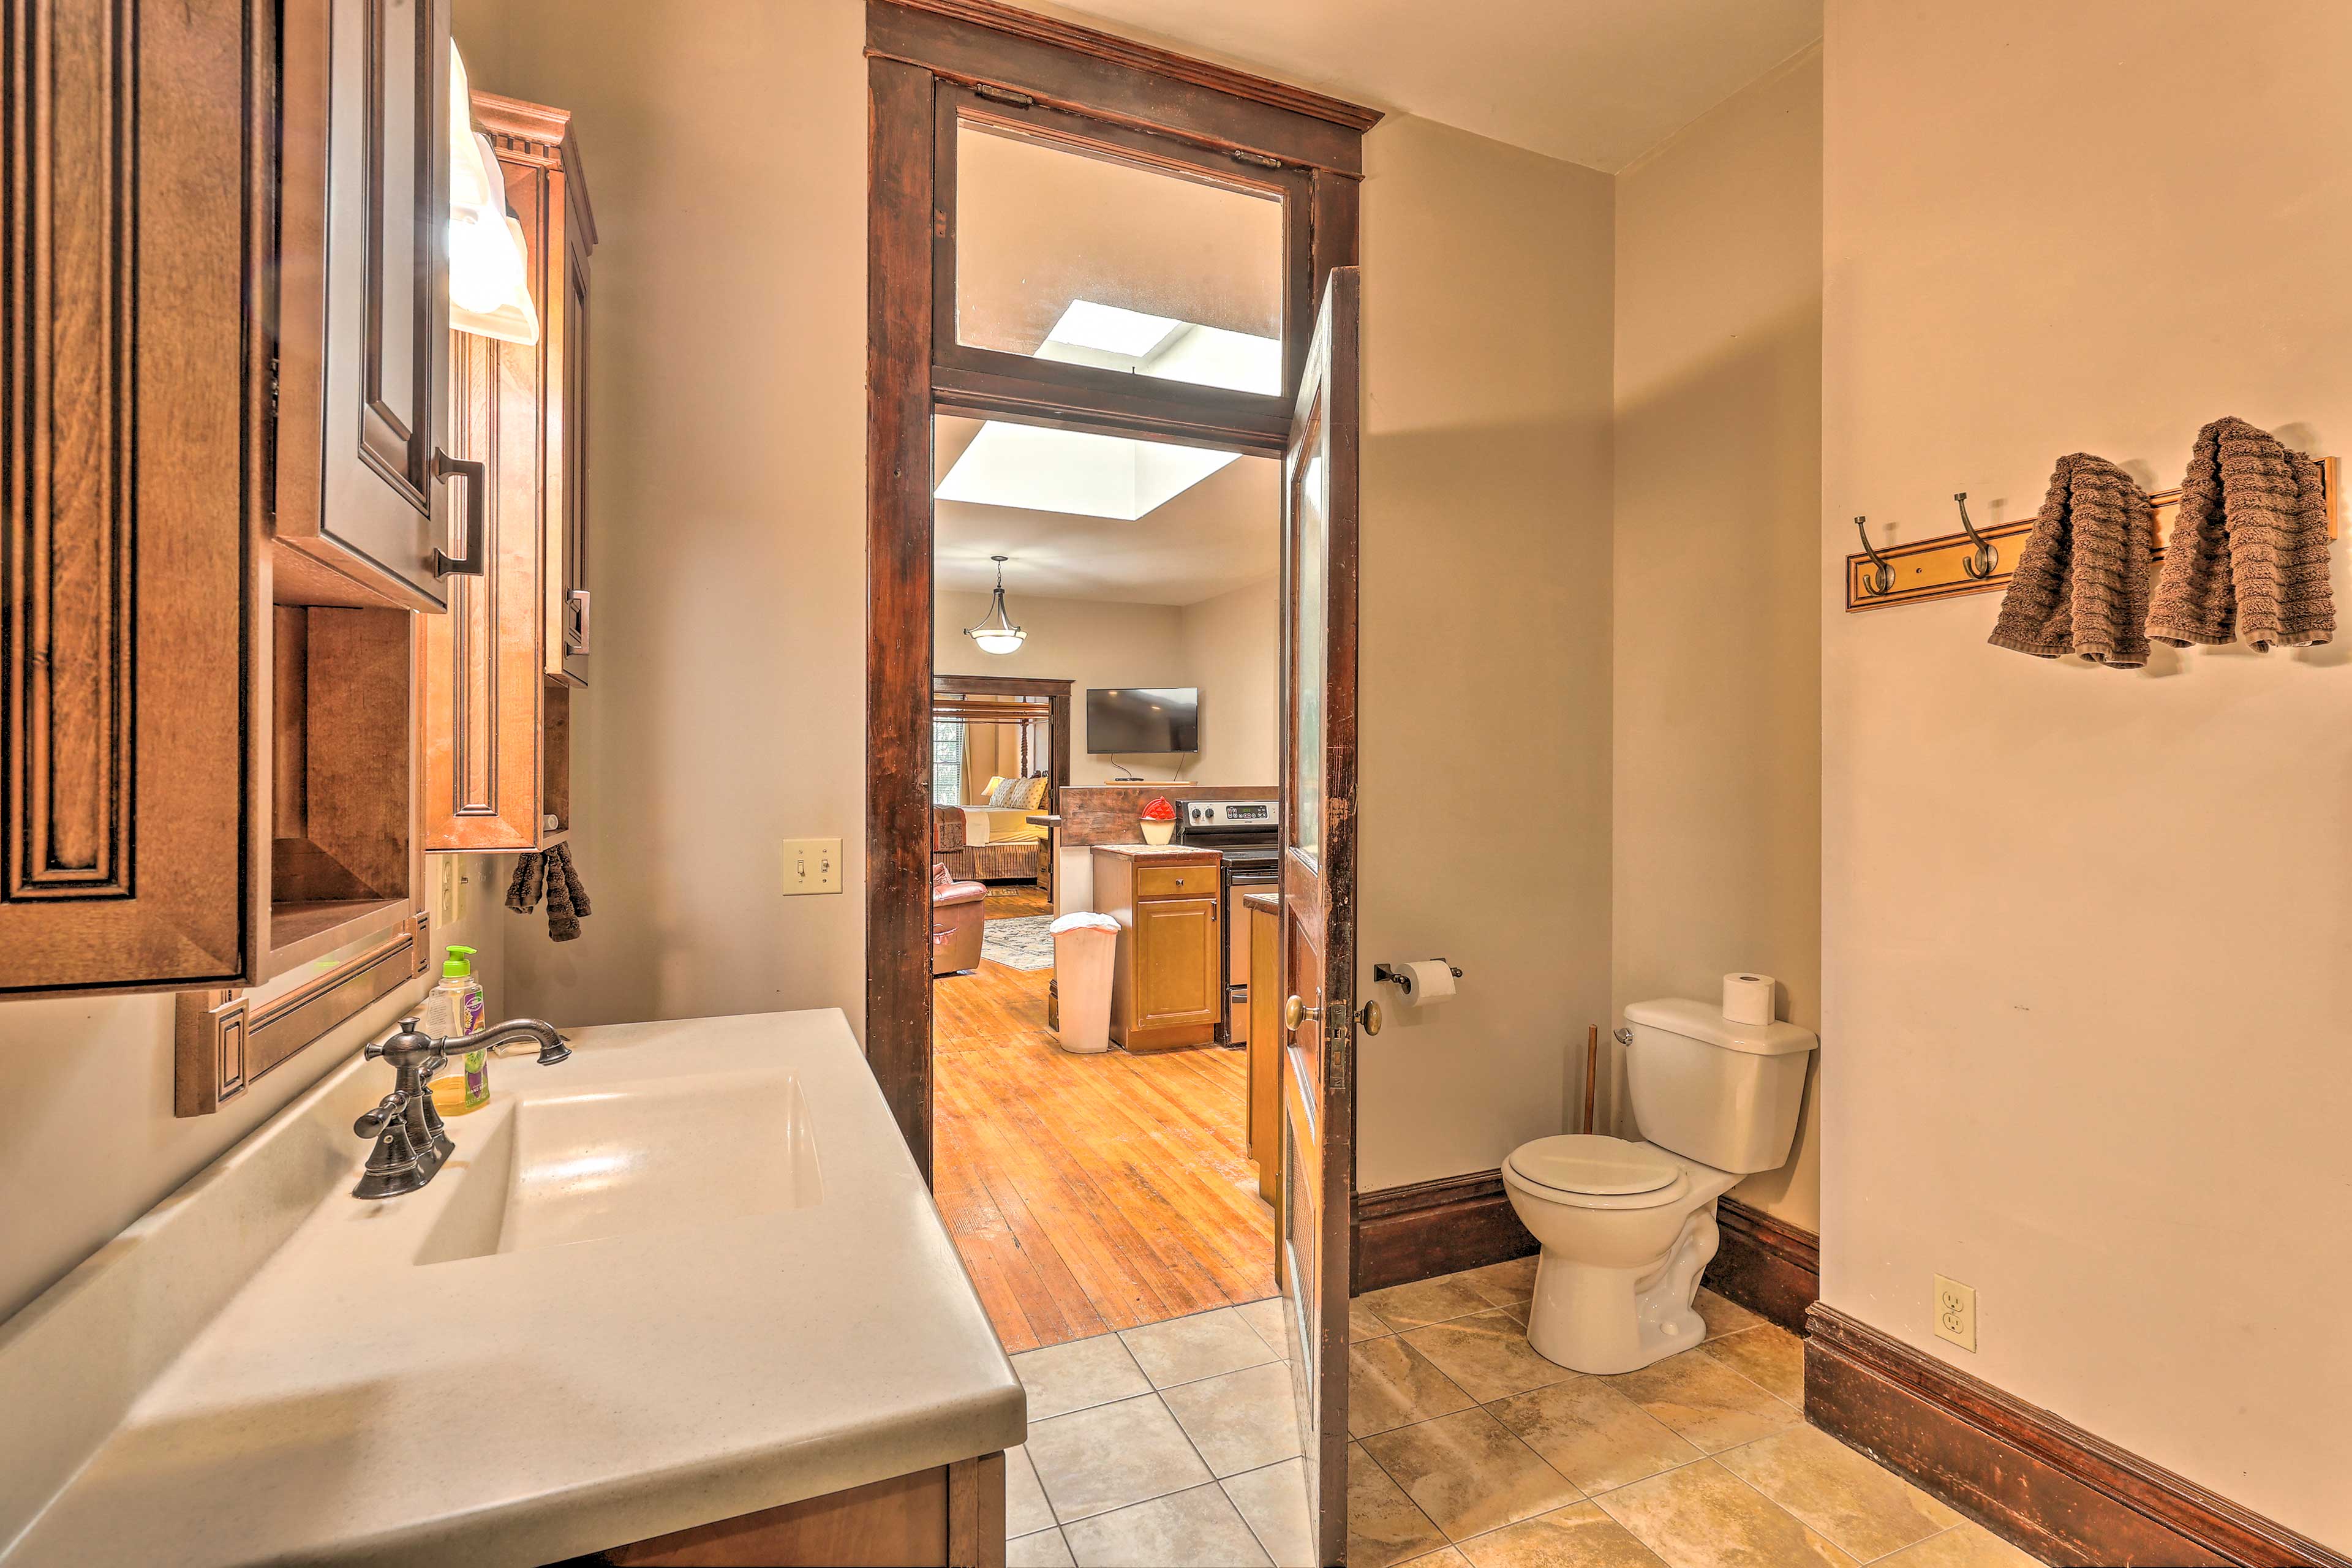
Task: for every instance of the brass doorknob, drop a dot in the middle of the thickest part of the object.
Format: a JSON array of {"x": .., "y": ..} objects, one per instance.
[
  {"x": 1295, "y": 1013},
  {"x": 1368, "y": 1018}
]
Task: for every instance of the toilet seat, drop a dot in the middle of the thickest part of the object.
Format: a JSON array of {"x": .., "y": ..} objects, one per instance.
[{"x": 1588, "y": 1170}]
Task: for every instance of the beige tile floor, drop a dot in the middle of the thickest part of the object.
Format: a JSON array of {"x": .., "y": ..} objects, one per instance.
[{"x": 1175, "y": 1444}]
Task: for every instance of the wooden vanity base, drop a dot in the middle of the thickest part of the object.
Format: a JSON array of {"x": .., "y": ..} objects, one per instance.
[{"x": 951, "y": 1517}]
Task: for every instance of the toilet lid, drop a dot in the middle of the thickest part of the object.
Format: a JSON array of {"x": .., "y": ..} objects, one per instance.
[{"x": 1590, "y": 1162}]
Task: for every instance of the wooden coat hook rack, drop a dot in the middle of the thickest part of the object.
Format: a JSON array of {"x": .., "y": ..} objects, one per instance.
[{"x": 1979, "y": 560}]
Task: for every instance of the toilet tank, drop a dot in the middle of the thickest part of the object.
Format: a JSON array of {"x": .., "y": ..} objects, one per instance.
[{"x": 1724, "y": 1094}]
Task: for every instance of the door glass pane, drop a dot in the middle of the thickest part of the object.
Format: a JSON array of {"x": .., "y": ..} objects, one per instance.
[
  {"x": 1310, "y": 497},
  {"x": 1068, "y": 255}
]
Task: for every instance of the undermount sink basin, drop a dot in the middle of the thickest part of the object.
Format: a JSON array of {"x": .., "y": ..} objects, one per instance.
[{"x": 663, "y": 1154}]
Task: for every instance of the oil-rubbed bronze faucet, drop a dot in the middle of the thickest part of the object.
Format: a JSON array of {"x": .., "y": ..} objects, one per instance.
[{"x": 411, "y": 1143}]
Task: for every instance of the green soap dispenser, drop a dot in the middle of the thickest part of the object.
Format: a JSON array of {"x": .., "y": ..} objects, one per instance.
[{"x": 454, "y": 1009}]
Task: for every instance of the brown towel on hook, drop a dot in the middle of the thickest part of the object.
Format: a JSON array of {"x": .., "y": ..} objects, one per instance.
[
  {"x": 567, "y": 899},
  {"x": 2249, "y": 551},
  {"x": 2081, "y": 581}
]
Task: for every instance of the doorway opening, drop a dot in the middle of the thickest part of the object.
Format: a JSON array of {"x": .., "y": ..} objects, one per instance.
[
  {"x": 971, "y": 317},
  {"x": 1098, "y": 1149}
]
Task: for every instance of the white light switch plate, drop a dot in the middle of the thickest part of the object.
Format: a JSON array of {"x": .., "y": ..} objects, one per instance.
[
  {"x": 1956, "y": 1312},
  {"x": 812, "y": 865}
]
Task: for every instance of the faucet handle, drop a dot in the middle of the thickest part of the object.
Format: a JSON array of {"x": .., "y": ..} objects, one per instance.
[
  {"x": 391, "y": 1106},
  {"x": 404, "y": 1039}
]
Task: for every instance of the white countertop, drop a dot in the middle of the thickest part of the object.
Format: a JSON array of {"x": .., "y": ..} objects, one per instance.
[{"x": 350, "y": 1404}]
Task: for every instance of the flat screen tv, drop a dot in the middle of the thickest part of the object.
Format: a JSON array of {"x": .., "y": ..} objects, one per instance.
[{"x": 1134, "y": 718}]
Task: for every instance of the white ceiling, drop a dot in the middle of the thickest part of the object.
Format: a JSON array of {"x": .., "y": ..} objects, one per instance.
[
  {"x": 1597, "y": 82},
  {"x": 1214, "y": 537}
]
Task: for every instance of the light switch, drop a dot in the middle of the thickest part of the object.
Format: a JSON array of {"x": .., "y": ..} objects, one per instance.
[{"x": 812, "y": 865}]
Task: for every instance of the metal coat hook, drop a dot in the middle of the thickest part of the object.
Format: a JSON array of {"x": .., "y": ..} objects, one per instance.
[
  {"x": 1881, "y": 580},
  {"x": 1985, "y": 559}
]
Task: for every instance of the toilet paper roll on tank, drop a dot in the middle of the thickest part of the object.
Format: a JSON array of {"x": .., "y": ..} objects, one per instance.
[{"x": 1748, "y": 998}]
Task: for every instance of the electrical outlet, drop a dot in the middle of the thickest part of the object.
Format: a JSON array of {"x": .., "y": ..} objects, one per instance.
[
  {"x": 1956, "y": 1312},
  {"x": 444, "y": 900},
  {"x": 812, "y": 865}
]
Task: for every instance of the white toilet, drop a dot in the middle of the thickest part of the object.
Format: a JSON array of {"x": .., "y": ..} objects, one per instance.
[{"x": 1627, "y": 1228}]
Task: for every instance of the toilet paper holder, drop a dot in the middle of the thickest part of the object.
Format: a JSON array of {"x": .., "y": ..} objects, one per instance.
[{"x": 1382, "y": 972}]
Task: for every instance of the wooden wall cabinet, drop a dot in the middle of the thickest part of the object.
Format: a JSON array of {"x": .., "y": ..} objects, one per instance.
[
  {"x": 495, "y": 674},
  {"x": 208, "y": 649},
  {"x": 1167, "y": 987},
  {"x": 364, "y": 304},
  {"x": 132, "y": 476}
]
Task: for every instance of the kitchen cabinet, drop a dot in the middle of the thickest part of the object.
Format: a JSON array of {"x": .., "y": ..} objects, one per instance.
[
  {"x": 1263, "y": 910},
  {"x": 495, "y": 674},
  {"x": 363, "y": 308},
  {"x": 1168, "y": 979}
]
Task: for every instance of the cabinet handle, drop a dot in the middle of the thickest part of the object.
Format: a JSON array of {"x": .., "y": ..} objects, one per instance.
[{"x": 477, "y": 515}]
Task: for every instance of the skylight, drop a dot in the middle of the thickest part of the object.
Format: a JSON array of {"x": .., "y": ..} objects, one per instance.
[
  {"x": 1112, "y": 476},
  {"x": 1110, "y": 330},
  {"x": 1071, "y": 471},
  {"x": 1116, "y": 337}
]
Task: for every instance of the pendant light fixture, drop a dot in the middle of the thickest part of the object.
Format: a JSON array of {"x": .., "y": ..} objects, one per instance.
[{"x": 996, "y": 633}]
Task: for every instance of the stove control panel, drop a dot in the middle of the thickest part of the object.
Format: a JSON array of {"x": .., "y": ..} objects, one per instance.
[{"x": 1233, "y": 813}]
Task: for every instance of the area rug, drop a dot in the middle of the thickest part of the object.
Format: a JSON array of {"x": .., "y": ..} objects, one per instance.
[{"x": 1021, "y": 943}]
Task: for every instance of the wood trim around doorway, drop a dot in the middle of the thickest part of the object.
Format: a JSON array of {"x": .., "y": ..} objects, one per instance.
[{"x": 918, "y": 54}]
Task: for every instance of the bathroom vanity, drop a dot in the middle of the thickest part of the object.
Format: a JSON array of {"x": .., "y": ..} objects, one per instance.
[{"x": 682, "y": 1298}]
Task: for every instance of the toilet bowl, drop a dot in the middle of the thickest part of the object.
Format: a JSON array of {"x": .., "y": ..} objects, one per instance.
[
  {"x": 1627, "y": 1227},
  {"x": 1620, "y": 1266}
]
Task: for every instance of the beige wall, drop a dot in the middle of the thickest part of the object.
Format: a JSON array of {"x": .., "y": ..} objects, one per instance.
[
  {"x": 1484, "y": 772},
  {"x": 88, "y": 1140},
  {"x": 1087, "y": 642},
  {"x": 1232, "y": 648},
  {"x": 1715, "y": 809},
  {"x": 725, "y": 148},
  {"x": 2085, "y": 930}
]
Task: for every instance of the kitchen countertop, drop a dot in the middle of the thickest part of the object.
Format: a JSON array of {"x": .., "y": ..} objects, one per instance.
[
  {"x": 1157, "y": 851},
  {"x": 352, "y": 1401}
]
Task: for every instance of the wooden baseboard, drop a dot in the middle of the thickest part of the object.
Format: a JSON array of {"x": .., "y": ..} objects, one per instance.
[
  {"x": 1418, "y": 1232},
  {"x": 2058, "y": 1491},
  {"x": 1766, "y": 1265}
]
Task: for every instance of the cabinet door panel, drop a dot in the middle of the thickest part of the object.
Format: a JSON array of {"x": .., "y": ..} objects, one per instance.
[
  {"x": 365, "y": 317},
  {"x": 133, "y": 395},
  {"x": 1176, "y": 961},
  {"x": 572, "y": 444}
]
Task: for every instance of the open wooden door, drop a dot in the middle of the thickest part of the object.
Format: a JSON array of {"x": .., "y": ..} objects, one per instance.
[{"x": 1318, "y": 892}]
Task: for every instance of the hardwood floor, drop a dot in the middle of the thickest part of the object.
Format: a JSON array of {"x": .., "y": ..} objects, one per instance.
[
  {"x": 1009, "y": 899},
  {"x": 1089, "y": 1193}
]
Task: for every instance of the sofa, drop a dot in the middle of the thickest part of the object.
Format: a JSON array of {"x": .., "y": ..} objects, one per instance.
[{"x": 959, "y": 921}]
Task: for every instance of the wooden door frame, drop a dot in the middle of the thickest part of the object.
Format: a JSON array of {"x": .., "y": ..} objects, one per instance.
[
  {"x": 1057, "y": 714},
  {"x": 925, "y": 61}
]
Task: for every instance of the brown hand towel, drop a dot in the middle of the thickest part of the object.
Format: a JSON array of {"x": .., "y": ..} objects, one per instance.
[
  {"x": 550, "y": 871},
  {"x": 563, "y": 919},
  {"x": 2081, "y": 581},
  {"x": 2249, "y": 553},
  {"x": 522, "y": 890},
  {"x": 572, "y": 883}
]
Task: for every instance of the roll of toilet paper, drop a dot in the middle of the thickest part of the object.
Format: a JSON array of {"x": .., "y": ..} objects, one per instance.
[
  {"x": 1748, "y": 998},
  {"x": 1425, "y": 981}
]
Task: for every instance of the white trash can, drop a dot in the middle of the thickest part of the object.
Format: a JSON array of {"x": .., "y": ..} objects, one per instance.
[{"x": 1085, "y": 946}]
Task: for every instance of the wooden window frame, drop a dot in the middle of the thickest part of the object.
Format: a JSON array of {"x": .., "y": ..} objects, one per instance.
[{"x": 928, "y": 63}]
